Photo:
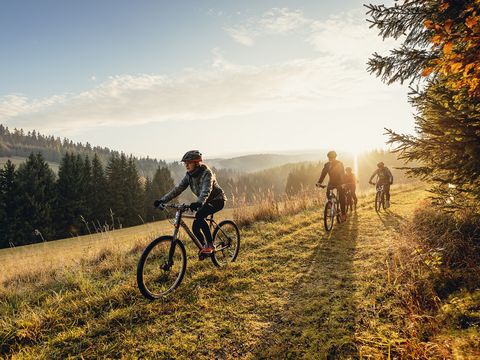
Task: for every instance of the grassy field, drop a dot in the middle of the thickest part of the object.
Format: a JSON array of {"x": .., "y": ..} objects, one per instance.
[
  {"x": 67, "y": 252},
  {"x": 295, "y": 292}
]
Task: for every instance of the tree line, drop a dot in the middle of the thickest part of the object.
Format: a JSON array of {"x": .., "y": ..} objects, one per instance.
[
  {"x": 17, "y": 142},
  {"x": 85, "y": 197}
]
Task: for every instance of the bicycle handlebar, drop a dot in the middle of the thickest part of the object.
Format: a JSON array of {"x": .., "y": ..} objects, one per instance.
[{"x": 181, "y": 207}]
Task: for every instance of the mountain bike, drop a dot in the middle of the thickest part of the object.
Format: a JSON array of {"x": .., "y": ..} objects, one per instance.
[
  {"x": 331, "y": 210},
  {"x": 164, "y": 261},
  {"x": 348, "y": 200},
  {"x": 379, "y": 198}
]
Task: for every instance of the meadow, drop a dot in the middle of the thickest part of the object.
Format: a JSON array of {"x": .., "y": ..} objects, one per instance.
[{"x": 294, "y": 292}]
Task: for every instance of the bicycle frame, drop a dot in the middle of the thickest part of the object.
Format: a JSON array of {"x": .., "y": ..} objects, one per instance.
[{"x": 178, "y": 222}]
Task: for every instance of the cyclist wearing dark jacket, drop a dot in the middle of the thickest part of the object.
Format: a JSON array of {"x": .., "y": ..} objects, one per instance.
[
  {"x": 351, "y": 184},
  {"x": 210, "y": 196},
  {"x": 336, "y": 174},
  {"x": 385, "y": 178}
]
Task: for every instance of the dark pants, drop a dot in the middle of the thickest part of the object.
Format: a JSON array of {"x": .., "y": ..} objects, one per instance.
[
  {"x": 386, "y": 189},
  {"x": 352, "y": 189},
  {"x": 340, "y": 195},
  {"x": 200, "y": 227}
]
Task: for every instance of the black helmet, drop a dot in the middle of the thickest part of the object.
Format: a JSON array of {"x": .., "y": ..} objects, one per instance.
[
  {"x": 192, "y": 155},
  {"x": 380, "y": 164},
  {"x": 332, "y": 154},
  {"x": 348, "y": 169}
]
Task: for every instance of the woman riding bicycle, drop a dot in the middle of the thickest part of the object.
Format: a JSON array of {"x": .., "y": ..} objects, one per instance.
[{"x": 210, "y": 196}]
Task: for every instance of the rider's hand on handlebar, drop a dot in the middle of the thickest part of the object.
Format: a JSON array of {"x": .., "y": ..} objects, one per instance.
[
  {"x": 159, "y": 204},
  {"x": 194, "y": 206},
  {"x": 320, "y": 185}
]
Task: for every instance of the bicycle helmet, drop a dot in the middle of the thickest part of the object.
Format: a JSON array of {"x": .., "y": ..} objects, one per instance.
[
  {"x": 192, "y": 155},
  {"x": 348, "y": 169},
  {"x": 380, "y": 164},
  {"x": 332, "y": 154}
]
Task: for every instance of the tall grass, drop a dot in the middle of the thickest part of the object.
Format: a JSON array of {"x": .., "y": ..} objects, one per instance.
[{"x": 435, "y": 273}]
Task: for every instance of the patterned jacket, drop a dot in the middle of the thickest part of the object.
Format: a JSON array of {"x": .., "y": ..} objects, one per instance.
[{"x": 203, "y": 184}]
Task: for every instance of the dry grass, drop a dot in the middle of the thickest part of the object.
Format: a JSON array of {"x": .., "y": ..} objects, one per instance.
[
  {"x": 295, "y": 292},
  {"x": 436, "y": 270}
]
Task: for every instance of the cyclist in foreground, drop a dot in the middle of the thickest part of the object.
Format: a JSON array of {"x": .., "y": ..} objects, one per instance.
[
  {"x": 385, "y": 178},
  {"x": 210, "y": 196},
  {"x": 336, "y": 174},
  {"x": 351, "y": 184}
]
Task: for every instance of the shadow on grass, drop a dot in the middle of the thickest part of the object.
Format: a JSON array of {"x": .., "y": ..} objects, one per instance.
[
  {"x": 391, "y": 220},
  {"x": 319, "y": 319}
]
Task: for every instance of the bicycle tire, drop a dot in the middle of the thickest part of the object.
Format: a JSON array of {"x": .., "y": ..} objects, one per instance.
[
  {"x": 328, "y": 216},
  {"x": 153, "y": 280},
  {"x": 384, "y": 207},
  {"x": 377, "y": 201},
  {"x": 226, "y": 236}
]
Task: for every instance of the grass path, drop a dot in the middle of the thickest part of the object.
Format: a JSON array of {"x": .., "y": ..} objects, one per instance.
[{"x": 295, "y": 292}]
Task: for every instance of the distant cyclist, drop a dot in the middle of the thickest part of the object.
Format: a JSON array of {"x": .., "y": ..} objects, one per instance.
[
  {"x": 351, "y": 184},
  {"x": 336, "y": 174},
  {"x": 385, "y": 178},
  {"x": 210, "y": 196}
]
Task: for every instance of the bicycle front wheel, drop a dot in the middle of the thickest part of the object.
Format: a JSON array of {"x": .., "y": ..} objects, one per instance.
[
  {"x": 226, "y": 239},
  {"x": 328, "y": 215},
  {"x": 158, "y": 273}
]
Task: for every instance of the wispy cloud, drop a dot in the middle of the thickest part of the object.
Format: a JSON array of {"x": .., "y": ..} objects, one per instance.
[
  {"x": 334, "y": 77},
  {"x": 274, "y": 21}
]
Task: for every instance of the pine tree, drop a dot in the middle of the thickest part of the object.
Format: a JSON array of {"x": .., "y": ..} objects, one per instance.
[
  {"x": 71, "y": 198},
  {"x": 36, "y": 191},
  {"x": 162, "y": 183},
  {"x": 8, "y": 211},
  {"x": 116, "y": 185},
  {"x": 98, "y": 197},
  {"x": 134, "y": 195},
  {"x": 441, "y": 48}
]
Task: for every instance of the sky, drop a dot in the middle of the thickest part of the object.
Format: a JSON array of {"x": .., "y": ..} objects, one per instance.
[{"x": 159, "y": 78}]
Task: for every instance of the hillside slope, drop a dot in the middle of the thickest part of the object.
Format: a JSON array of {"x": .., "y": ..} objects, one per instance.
[{"x": 294, "y": 292}]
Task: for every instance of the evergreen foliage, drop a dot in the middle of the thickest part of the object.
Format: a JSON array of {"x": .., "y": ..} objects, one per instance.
[
  {"x": 35, "y": 200},
  {"x": 441, "y": 49},
  {"x": 8, "y": 211},
  {"x": 162, "y": 183}
]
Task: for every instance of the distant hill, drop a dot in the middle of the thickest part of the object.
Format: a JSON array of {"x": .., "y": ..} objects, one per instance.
[
  {"x": 17, "y": 144},
  {"x": 258, "y": 162}
]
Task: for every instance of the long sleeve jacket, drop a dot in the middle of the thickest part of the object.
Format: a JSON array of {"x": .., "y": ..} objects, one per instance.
[
  {"x": 336, "y": 173},
  {"x": 384, "y": 175},
  {"x": 203, "y": 184}
]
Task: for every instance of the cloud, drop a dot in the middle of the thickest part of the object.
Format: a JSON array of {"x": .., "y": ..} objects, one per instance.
[
  {"x": 278, "y": 21},
  {"x": 242, "y": 35},
  {"x": 274, "y": 21},
  {"x": 15, "y": 105},
  {"x": 347, "y": 35},
  {"x": 334, "y": 77}
]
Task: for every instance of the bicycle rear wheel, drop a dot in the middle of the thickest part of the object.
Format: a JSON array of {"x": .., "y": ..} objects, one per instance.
[
  {"x": 378, "y": 201},
  {"x": 328, "y": 215},
  {"x": 384, "y": 206},
  {"x": 226, "y": 239},
  {"x": 156, "y": 276}
]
